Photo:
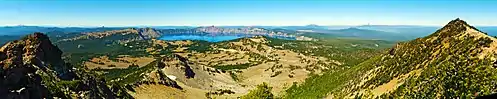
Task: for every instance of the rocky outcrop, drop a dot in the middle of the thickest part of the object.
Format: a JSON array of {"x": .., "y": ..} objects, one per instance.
[
  {"x": 32, "y": 68},
  {"x": 166, "y": 80},
  {"x": 454, "y": 28},
  {"x": 148, "y": 33},
  {"x": 157, "y": 76},
  {"x": 24, "y": 62},
  {"x": 188, "y": 70}
]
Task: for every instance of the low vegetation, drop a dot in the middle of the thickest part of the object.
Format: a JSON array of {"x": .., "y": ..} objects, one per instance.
[
  {"x": 232, "y": 67},
  {"x": 129, "y": 75},
  {"x": 262, "y": 91}
]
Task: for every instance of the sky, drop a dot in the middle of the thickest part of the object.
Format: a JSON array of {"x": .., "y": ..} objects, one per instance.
[{"x": 245, "y": 12}]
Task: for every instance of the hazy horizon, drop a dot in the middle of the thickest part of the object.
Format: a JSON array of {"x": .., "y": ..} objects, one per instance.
[
  {"x": 65, "y": 13},
  {"x": 231, "y": 26}
]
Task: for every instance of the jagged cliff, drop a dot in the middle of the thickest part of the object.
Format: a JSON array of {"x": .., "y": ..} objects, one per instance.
[{"x": 32, "y": 68}]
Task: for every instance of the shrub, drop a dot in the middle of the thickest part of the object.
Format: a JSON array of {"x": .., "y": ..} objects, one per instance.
[{"x": 262, "y": 91}]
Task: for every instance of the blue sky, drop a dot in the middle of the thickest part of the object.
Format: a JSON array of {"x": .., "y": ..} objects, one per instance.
[{"x": 245, "y": 12}]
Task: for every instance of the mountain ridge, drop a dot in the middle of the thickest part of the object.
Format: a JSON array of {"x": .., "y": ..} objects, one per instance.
[
  {"x": 442, "y": 53},
  {"x": 456, "y": 61}
]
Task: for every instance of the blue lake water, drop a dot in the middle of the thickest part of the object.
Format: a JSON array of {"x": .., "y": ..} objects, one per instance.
[{"x": 209, "y": 38}]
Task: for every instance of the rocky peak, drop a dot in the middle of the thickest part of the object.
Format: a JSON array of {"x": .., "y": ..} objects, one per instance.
[
  {"x": 24, "y": 61},
  {"x": 33, "y": 49},
  {"x": 455, "y": 27},
  {"x": 32, "y": 68},
  {"x": 458, "y": 21}
]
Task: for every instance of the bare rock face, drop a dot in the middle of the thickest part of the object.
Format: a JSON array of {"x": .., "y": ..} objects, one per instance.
[
  {"x": 36, "y": 49},
  {"x": 32, "y": 68},
  {"x": 158, "y": 76},
  {"x": 23, "y": 62},
  {"x": 163, "y": 79},
  {"x": 188, "y": 70},
  {"x": 148, "y": 33}
]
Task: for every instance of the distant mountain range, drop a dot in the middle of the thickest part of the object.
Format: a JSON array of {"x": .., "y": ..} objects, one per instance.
[
  {"x": 23, "y": 30},
  {"x": 383, "y": 32},
  {"x": 368, "y": 34},
  {"x": 8, "y": 33},
  {"x": 386, "y": 32}
]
